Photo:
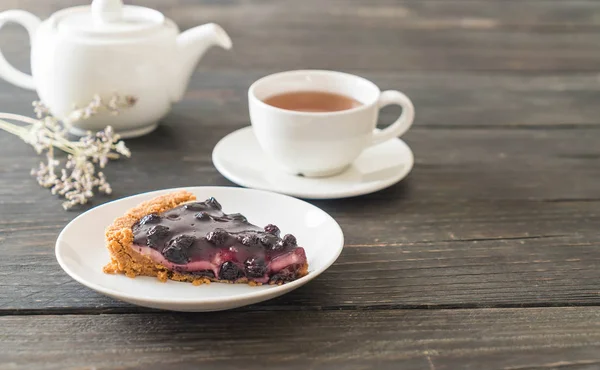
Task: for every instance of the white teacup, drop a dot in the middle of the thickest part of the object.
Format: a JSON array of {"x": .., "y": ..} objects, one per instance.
[{"x": 315, "y": 144}]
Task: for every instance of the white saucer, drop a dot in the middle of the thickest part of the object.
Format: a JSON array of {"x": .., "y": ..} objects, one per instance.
[
  {"x": 81, "y": 252},
  {"x": 240, "y": 159}
]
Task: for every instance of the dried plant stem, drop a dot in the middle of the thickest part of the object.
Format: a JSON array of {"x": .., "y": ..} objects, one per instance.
[
  {"x": 13, "y": 129},
  {"x": 79, "y": 177},
  {"x": 18, "y": 117},
  {"x": 23, "y": 132}
]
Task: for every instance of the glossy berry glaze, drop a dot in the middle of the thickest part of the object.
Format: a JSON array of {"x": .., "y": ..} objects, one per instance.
[{"x": 198, "y": 238}]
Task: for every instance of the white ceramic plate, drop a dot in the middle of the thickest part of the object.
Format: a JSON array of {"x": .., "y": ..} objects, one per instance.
[
  {"x": 239, "y": 158},
  {"x": 81, "y": 252}
]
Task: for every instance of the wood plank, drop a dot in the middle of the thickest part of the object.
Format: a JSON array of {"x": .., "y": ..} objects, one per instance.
[
  {"x": 548, "y": 338},
  {"x": 384, "y": 35},
  {"x": 501, "y": 211},
  {"x": 217, "y": 98},
  {"x": 487, "y": 218},
  {"x": 512, "y": 272},
  {"x": 420, "y": 14},
  {"x": 508, "y": 164}
]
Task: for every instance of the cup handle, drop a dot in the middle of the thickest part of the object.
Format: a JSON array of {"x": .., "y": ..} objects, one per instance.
[
  {"x": 403, "y": 122},
  {"x": 7, "y": 71}
]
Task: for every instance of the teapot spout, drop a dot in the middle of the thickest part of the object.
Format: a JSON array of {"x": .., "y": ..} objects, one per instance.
[{"x": 192, "y": 45}]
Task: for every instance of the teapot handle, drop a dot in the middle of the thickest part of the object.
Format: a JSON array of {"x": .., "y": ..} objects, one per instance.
[{"x": 7, "y": 71}]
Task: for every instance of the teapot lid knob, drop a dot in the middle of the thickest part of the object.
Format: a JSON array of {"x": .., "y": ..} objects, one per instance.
[
  {"x": 107, "y": 11},
  {"x": 109, "y": 18}
]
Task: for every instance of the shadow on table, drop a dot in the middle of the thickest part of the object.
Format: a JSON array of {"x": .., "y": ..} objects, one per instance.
[{"x": 398, "y": 193}]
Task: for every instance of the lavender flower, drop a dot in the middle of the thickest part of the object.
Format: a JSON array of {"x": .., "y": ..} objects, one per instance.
[{"x": 78, "y": 178}]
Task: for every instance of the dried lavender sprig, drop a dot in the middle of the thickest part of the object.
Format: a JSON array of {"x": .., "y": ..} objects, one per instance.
[{"x": 79, "y": 177}]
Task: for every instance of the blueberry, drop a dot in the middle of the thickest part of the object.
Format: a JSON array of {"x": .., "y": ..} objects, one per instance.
[
  {"x": 217, "y": 237},
  {"x": 197, "y": 206},
  {"x": 250, "y": 240},
  {"x": 176, "y": 250},
  {"x": 150, "y": 219},
  {"x": 176, "y": 255},
  {"x": 278, "y": 246},
  {"x": 238, "y": 217},
  {"x": 229, "y": 271},
  {"x": 268, "y": 240},
  {"x": 255, "y": 267},
  {"x": 212, "y": 202},
  {"x": 285, "y": 275},
  {"x": 203, "y": 216},
  {"x": 182, "y": 241},
  {"x": 289, "y": 240},
  {"x": 272, "y": 229},
  {"x": 155, "y": 234}
]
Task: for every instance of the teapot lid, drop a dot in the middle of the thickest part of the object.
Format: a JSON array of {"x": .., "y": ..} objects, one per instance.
[{"x": 108, "y": 17}]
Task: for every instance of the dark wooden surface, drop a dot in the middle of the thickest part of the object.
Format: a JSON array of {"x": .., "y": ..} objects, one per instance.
[{"x": 486, "y": 257}]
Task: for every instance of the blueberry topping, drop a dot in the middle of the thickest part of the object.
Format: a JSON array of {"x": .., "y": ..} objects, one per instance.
[
  {"x": 200, "y": 231},
  {"x": 182, "y": 241},
  {"x": 287, "y": 274},
  {"x": 278, "y": 246},
  {"x": 176, "y": 255},
  {"x": 238, "y": 217},
  {"x": 156, "y": 234},
  {"x": 176, "y": 250},
  {"x": 289, "y": 240},
  {"x": 150, "y": 219},
  {"x": 212, "y": 202},
  {"x": 196, "y": 206},
  {"x": 221, "y": 218},
  {"x": 255, "y": 267},
  {"x": 217, "y": 237},
  {"x": 272, "y": 229},
  {"x": 268, "y": 240},
  {"x": 250, "y": 240},
  {"x": 229, "y": 271},
  {"x": 202, "y": 216}
]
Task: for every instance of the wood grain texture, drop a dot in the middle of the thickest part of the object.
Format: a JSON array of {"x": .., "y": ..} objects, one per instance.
[
  {"x": 549, "y": 338},
  {"x": 218, "y": 98},
  {"x": 386, "y": 35},
  {"x": 472, "y": 262},
  {"x": 487, "y": 218}
]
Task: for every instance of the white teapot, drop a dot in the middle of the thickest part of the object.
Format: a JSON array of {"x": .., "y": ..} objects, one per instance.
[{"x": 109, "y": 48}]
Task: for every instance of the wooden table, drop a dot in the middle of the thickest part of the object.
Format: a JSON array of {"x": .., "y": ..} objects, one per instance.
[{"x": 486, "y": 257}]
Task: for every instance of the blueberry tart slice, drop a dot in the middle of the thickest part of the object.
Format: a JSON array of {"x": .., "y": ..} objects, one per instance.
[{"x": 175, "y": 237}]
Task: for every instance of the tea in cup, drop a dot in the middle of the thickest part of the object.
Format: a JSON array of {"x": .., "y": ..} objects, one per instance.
[{"x": 315, "y": 123}]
